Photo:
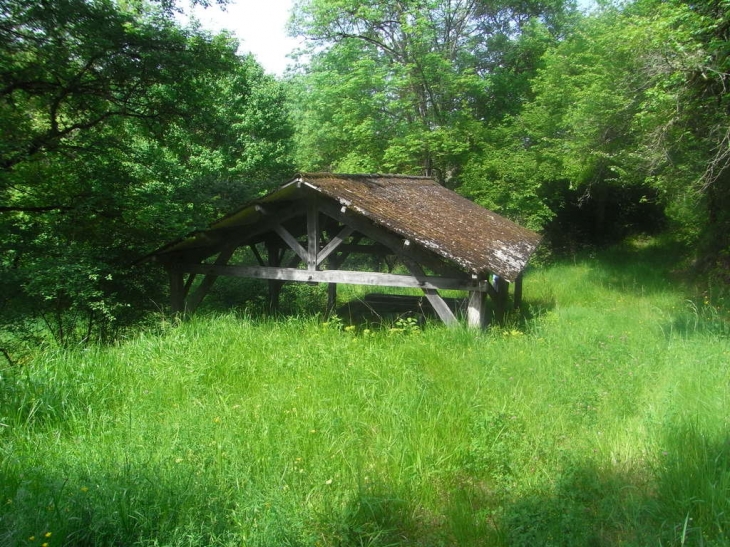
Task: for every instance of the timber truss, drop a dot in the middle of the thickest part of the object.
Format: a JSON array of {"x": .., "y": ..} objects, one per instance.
[{"x": 309, "y": 240}]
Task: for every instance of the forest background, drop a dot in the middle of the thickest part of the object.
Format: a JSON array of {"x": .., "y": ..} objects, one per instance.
[{"x": 120, "y": 130}]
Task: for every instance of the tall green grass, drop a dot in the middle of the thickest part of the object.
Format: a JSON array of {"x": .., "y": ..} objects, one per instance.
[{"x": 600, "y": 417}]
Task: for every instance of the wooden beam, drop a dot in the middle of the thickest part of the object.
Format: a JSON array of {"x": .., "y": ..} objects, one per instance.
[
  {"x": 335, "y": 276},
  {"x": 334, "y": 243},
  {"x": 440, "y": 307},
  {"x": 289, "y": 239},
  {"x": 197, "y": 297}
]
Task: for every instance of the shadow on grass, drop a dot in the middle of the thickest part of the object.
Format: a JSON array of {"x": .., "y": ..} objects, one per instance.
[
  {"x": 121, "y": 505},
  {"x": 143, "y": 508},
  {"x": 680, "y": 496},
  {"x": 639, "y": 266},
  {"x": 375, "y": 518},
  {"x": 682, "y": 499},
  {"x": 699, "y": 318}
]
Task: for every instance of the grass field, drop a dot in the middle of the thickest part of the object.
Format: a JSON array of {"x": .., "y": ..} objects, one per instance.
[{"x": 598, "y": 419}]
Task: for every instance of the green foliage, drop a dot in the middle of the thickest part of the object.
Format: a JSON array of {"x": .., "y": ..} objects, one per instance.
[
  {"x": 409, "y": 86},
  {"x": 619, "y": 117},
  {"x": 120, "y": 131},
  {"x": 509, "y": 178}
]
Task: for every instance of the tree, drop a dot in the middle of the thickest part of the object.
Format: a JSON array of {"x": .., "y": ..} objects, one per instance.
[
  {"x": 580, "y": 124},
  {"x": 629, "y": 110},
  {"x": 407, "y": 85},
  {"x": 685, "y": 118},
  {"x": 119, "y": 130}
]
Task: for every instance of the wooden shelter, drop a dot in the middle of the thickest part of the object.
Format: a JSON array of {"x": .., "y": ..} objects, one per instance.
[{"x": 308, "y": 229}]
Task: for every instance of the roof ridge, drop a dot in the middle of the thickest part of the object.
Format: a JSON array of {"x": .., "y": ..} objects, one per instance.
[{"x": 323, "y": 174}]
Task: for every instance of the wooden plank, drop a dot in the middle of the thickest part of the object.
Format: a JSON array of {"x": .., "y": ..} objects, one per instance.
[
  {"x": 335, "y": 276},
  {"x": 334, "y": 244},
  {"x": 312, "y": 233},
  {"x": 293, "y": 244}
]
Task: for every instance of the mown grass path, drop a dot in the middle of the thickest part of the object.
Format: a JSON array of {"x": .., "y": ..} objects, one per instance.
[{"x": 601, "y": 419}]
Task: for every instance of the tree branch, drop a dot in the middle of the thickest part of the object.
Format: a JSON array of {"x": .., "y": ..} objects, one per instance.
[{"x": 39, "y": 209}]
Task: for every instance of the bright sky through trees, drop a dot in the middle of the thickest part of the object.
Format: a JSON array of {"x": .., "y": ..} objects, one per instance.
[{"x": 260, "y": 27}]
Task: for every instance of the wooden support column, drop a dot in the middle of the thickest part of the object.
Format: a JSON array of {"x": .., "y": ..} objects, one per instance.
[
  {"x": 331, "y": 297},
  {"x": 518, "y": 292},
  {"x": 476, "y": 313},
  {"x": 500, "y": 298},
  {"x": 177, "y": 290},
  {"x": 272, "y": 250},
  {"x": 312, "y": 233}
]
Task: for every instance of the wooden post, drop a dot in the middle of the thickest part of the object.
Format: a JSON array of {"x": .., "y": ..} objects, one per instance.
[
  {"x": 331, "y": 297},
  {"x": 518, "y": 292},
  {"x": 177, "y": 290},
  {"x": 272, "y": 250},
  {"x": 312, "y": 233},
  {"x": 476, "y": 314},
  {"x": 500, "y": 300}
]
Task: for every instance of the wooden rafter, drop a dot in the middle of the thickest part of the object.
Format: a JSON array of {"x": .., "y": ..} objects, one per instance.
[{"x": 334, "y": 243}]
